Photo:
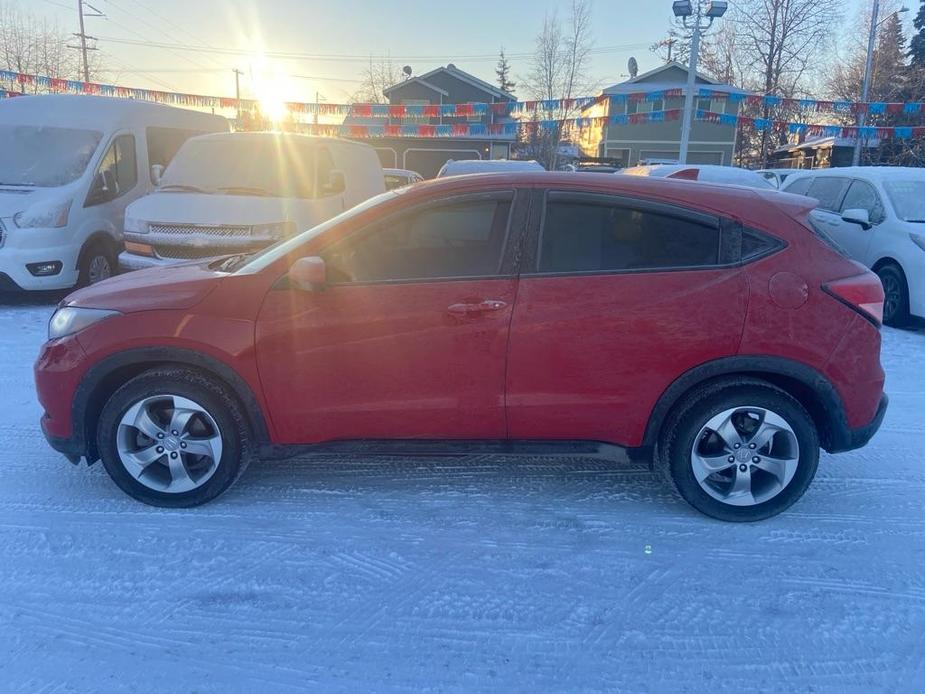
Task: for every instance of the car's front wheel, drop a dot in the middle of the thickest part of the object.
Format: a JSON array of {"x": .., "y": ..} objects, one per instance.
[
  {"x": 173, "y": 437},
  {"x": 896, "y": 295},
  {"x": 740, "y": 450}
]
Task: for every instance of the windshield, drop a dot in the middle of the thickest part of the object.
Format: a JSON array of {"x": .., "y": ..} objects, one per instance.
[
  {"x": 36, "y": 155},
  {"x": 265, "y": 166},
  {"x": 257, "y": 262},
  {"x": 908, "y": 198}
]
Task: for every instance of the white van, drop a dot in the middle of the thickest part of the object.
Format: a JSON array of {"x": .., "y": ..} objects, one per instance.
[
  {"x": 69, "y": 167},
  {"x": 239, "y": 192}
]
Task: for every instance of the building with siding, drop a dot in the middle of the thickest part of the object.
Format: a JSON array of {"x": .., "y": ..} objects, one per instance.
[{"x": 632, "y": 144}]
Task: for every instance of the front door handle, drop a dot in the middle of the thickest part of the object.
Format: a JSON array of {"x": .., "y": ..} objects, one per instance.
[{"x": 477, "y": 307}]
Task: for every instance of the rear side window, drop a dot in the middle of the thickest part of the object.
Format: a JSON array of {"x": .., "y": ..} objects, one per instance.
[
  {"x": 581, "y": 236},
  {"x": 799, "y": 186},
  {"x": 829, "y": 191}
]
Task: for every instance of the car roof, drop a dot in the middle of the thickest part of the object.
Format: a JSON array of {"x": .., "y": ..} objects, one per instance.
[
  {"x": 464, "y": 166},
  {"x": 273, "y": 135},
  {"x": 872, "y": 173},
  {"x": 724, "y": 199},
  {"x": 101, "y": 113}
]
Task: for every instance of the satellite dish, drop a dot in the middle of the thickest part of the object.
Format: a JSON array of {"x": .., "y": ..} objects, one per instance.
[
  {"x": 633, "y": 68},
  {"x": 407, "y": 70}
]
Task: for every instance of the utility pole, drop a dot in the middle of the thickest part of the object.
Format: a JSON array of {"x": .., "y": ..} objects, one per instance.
[
  {"x": 689, "y": 92},
  {"x": 83, "y": 36},
  {"x": 237, "y": 92}
]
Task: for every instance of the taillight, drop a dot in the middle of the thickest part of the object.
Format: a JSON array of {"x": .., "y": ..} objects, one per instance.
[{"x": 863, "y": 293}]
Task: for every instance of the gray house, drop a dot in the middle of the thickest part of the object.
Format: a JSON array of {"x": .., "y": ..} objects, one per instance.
[
  {"x": 444, "y": 85},
  {"x": 630, "y": 144}
]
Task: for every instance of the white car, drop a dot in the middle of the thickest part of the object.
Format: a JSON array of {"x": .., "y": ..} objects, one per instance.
[
  {"x": 706, "y": 173},
  {"x": 776, "y": 177},
  {"x": 475, "y": 166},
  {"x": 399, "y": 178},
  {"x": 240, "y": 192},
  {"x": 70, "y": 166},
  {"x": 877, "y": 216}
]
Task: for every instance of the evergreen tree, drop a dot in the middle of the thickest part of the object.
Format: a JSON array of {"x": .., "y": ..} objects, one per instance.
[
  {"x": 917, "y": 45},
  {"x": 503, "y": 71},
  {"x": 889, "y": 61}
]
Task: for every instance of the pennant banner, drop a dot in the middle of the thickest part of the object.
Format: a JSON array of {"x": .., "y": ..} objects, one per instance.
[
  {"x": 813, "y": 129},
  {"x": 465, "y": 110}
]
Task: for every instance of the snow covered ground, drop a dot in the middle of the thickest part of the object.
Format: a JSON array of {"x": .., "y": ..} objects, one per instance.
[{"x": 467, "y": 574}]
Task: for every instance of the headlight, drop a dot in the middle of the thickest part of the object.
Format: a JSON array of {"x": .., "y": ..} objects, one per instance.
[
  {"x": 277, "y": 230},
  {"x": 918, "y": 240},
  {"x": 47, "y": 215},
  {"x": 72, "y": 319},
  {"x": 133, "y": 225}
]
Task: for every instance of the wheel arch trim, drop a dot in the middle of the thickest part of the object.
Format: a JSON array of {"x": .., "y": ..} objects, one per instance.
[
  {"x": 826, "y": 406},
  {"x": 103, "y": 377}
]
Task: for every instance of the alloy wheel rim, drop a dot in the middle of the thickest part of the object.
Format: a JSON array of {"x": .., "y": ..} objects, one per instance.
[
  {"x": 99, "y": 269},
  {"x": 745, "y": 456},
  {"x": 891, "y": 292},
  {"x": 169, "y": 443}
]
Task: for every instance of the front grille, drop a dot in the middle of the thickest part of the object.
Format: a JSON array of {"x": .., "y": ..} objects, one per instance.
[
  {"x": 200, "y": 252},
  {"x": 186, "y": 229}
]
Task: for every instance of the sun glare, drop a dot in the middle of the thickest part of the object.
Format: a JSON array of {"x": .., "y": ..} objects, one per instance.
[{"x": 270, "y": 89}]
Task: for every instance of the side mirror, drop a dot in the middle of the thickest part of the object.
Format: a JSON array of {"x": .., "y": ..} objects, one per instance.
[
  {"x": 335, "y": 184},
  {"x": 104, "y": 188},
  {"x": 157, "y": 170},
  {"x": 309, "y": 274},
  {"x": 857, "y": 216}
]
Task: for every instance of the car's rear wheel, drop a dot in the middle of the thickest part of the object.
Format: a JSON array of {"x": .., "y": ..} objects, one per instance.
[
  {"x": 173, "y": 437},
  {"x": 740, "y": 450},
  {"x": 896, "y": 295}
]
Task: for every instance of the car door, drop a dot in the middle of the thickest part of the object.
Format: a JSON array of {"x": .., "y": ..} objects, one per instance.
[
  {"x": 622, "y": 297},
  {"x": 115, "y": 185},
  {"x": 830, "y": 191},
  {"x": 856, "y": 239},
  {"x": 409, "y": 338}
]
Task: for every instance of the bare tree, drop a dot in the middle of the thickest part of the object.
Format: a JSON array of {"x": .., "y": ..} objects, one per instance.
[
  {"x": 36, "y": 46},
  {"x": 781, "y": 47},
  {"x": 378, "y": 75},
  {"x": 559, "y": 70}
]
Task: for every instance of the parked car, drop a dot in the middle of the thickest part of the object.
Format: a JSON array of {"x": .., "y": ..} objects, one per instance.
[
  {"x": 877, "y": 214},
  {"x": 399, "y": 178},
  {"x": 705, "y": 173},
  {"x": 705, "y": 328},
  {"x": 776, "y": 177},
  {"x": 474, "y": 166},
  {"x": 70, "y": 166},
  {"x": 240, "y": 192}
]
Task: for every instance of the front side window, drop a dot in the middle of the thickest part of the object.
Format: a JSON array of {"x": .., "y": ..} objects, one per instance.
[
  {"x": 862, "y": 196},
  {"x": 117, "y": 172},
  {"x": 829, "y": 191},
  {"x": 45, "y": 157},
  {"x": 459, "y": 239},
  {"x": 799, "y": 186},
  {"x": 590, "y": 237}
]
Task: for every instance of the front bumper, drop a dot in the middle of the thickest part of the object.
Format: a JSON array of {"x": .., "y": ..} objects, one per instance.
[
  {"x": 850, "y": 439},
  {"x": 132, "y": 261},
  {"x": 70, "y": 448}
]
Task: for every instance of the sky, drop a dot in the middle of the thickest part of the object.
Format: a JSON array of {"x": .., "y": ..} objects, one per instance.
[{"x": 297, "y": 48}]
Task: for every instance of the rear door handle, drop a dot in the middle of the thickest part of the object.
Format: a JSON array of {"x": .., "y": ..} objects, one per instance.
[{"x": 476, "y": 308}]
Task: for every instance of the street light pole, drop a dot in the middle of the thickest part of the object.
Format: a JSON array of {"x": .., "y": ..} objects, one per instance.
[
  {"x": 865, "y": 89},
  {"x": 689, "y": 92}
]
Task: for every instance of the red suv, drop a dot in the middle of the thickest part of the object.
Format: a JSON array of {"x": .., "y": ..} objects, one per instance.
[{"x": 708, "y": 329}]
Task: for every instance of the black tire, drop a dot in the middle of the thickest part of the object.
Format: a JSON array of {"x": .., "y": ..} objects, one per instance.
[
  {"x": 896, "y": 304},
  {"x": 221, "y": 406},
  {"x": 94, "y": 254},
  {"x": 675, "y": 446}
]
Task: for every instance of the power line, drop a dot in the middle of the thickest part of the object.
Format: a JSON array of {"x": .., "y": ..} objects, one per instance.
[{"x": 345, "y": 57}]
